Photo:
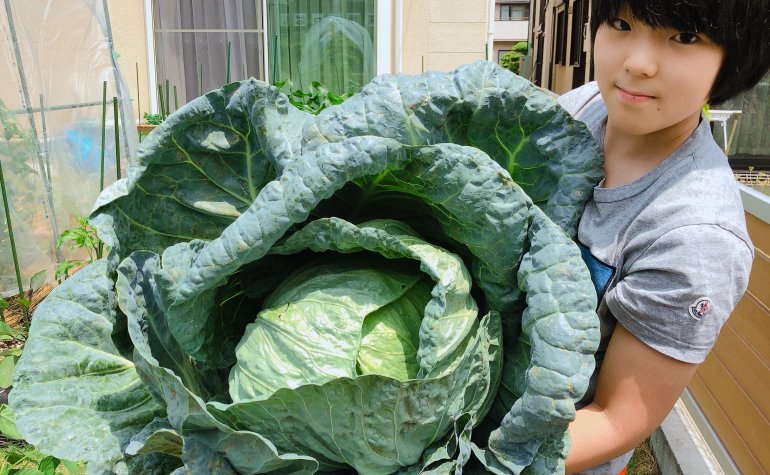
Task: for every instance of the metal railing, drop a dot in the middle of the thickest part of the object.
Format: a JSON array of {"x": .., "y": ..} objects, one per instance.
[{"x": 756, "y": 179}]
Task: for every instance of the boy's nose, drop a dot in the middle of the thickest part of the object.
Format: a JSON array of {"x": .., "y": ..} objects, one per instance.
[{"x": 642, "y": 60}]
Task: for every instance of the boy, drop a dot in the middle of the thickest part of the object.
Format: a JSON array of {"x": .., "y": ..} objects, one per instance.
[{"x": 664, "y": 233}]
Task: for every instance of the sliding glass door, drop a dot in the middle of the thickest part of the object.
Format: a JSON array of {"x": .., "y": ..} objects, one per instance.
[{"x": 330, "y": 41}]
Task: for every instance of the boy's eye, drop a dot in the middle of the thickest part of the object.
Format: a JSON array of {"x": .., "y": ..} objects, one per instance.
[
  {"x": 620, "y": 24},
  {"x": 685, "y": 37}
]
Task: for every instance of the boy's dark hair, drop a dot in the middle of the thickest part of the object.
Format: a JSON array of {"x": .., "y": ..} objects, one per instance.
[{"x": 740, "y": 27}]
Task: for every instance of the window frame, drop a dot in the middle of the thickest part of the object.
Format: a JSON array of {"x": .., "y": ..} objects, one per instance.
[
  {"x": 510, "y": 6},
  {"x": 561, "y": 34}
]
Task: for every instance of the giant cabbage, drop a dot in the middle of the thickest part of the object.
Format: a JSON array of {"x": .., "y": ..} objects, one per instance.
[{"x": 390, "y": 286}]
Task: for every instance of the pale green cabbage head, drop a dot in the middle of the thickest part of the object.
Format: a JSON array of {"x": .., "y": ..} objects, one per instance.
[{"x": 389, "y": 286}]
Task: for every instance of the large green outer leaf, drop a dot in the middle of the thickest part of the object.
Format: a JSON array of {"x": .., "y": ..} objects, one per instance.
[
  {"x": 200, "y": 169},
  {"x": 548, "y": 153},
  {"x": 75, "y": 396},
  {"x": 561, "y": 329},
  {"x": 373, "y": 423}
]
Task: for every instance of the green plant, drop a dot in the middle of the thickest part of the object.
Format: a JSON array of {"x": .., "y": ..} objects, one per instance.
[
  {"x": 153, "y": 119},
  {"x": 511, "y": 59},
  {"x": 81, "y": 236},
  {"x": 23, "y": 459},
  {"x": 389, "y": 285},
  {"x": 314, "y": 100}
]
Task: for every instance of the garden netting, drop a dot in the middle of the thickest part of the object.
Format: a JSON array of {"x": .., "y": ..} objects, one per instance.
[{"x": 54, "y": 59}]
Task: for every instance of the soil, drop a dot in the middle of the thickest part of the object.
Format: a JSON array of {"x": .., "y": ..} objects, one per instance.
[{"x": 14, "y": 314}]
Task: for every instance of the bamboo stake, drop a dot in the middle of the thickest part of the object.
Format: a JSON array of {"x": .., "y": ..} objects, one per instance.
[
  {"x": 275, "y": 55},
  {"x": 117, "y": 136},
  {"x": 200, "y": 82},
  {"x": 13, "y": 244},
  {"x": 176, "y": 103},
  {"x": 160, "y": 101},
  {"x": 227, "y": 74},
  {"x": 168, "y": 99}
]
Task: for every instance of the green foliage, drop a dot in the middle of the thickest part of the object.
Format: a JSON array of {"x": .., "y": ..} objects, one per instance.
[
  {"x": 396, "y": 271},
  {"x": 80, "y": 236},
  {"x": 8, "y": 423},
  {"x": 153, "y": 119},
  {"x": 511, "y": 60},
  {"x": 316, "y": 99},
  {"x": 24, "y": 459}
]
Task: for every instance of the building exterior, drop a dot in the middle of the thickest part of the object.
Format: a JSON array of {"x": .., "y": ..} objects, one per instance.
[
  {"x": 511, "y": 25},
  {"x": 561, "y": 46},
  {"x": 186, "y": 42}
]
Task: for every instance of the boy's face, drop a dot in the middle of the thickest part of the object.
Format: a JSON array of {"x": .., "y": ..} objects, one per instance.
[{"x": 653, "y": 79}]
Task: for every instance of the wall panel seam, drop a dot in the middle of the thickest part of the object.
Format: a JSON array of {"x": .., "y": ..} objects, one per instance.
[
  {"x": 738, "y": 436},
  {"x": 740, "y": 388}
]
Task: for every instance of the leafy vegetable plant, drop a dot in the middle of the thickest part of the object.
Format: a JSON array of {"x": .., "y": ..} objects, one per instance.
[
  {"x": 153, "y": 119},
  {"x": 81, "y": 236},
  {"x": 387, "y": 286},
  {"x": 316, "y": 99}
]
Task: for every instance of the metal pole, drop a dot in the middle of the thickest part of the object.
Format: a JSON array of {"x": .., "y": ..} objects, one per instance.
[
  {"x": 59, "y": 254},
  {"x": 45, "y": 138},
  {"x": 33, "y": 126}
]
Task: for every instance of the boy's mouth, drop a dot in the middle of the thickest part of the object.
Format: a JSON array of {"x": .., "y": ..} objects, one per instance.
[{"x": 635, "y": 97}]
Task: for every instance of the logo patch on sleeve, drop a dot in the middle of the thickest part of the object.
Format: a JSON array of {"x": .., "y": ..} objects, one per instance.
[{"x": 700, "y": 308}]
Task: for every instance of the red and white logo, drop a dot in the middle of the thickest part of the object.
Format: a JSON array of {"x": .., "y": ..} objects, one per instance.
[{"x": 700, "y": 308}]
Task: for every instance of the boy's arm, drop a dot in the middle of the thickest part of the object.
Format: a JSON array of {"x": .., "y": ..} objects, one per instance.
[{"x": 637, "y": 388}]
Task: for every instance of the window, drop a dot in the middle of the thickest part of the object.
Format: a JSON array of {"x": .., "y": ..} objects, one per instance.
[
  {"x": 579, "y": 19},
  {"x": 514, "y": 12},
  {"x": 331, "y": 42},
  {"x": 192, "y": 41},
  {"x": 560, "y": 36}
]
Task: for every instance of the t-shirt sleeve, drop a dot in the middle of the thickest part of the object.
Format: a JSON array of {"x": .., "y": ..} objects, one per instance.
[
  {"x": 678, "y": 294},
  {"x": 576, "y": 100}
]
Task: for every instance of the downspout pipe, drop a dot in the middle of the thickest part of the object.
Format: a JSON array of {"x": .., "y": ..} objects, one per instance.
[
  {"x": 399, "y": 48},
  {"x": 491, "y": 31}
]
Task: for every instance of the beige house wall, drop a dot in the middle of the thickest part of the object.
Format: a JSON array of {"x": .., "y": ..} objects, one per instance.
[
  {"x": 130, "y": 41},
  {"x": 441, "y": 35}
]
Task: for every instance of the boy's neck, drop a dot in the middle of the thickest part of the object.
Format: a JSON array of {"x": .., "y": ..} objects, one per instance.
[{"x": 629, "y": 157}]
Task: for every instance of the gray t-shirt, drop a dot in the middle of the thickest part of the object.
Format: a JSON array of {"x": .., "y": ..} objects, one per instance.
[{"x": 669, "y": 253}]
